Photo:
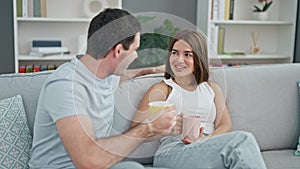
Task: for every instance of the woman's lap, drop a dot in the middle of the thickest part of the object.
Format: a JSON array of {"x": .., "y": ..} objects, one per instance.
[{"x": 216, "y": 152}]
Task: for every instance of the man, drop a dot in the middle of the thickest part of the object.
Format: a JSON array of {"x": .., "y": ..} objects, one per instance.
[{"x": 75, "y": 109}]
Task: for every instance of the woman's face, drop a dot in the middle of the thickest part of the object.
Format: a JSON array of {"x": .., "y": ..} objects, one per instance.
[{"x": 182, "y": 59}]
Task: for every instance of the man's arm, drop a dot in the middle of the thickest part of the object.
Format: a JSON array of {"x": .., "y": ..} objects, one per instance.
[
  {"x": 132, "y": 73},
  {"x": 77, "y": 135}
]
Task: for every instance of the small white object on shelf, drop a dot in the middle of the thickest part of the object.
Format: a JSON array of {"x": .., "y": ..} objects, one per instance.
[
  {"x": 93, "y": 7},
  {"x": 262, "y": 16}
]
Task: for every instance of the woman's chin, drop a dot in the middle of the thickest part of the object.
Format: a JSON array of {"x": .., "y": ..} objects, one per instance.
[{"x": 181, "y": 74}]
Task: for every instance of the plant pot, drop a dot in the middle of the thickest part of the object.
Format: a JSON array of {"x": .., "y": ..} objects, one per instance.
[{"x": 261, "y": 16}]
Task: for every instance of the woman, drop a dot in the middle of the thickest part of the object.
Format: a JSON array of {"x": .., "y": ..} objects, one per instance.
[{"x": 187, "y": 87}]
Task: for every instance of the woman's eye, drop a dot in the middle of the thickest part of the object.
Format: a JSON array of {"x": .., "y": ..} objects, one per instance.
[
  {"x": 173, "y": 52},
  {"x": 188, "y": 55}
]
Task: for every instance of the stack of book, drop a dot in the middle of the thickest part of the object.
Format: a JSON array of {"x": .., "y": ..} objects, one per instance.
[
  {"x": 32, "y": 8},
  {"x": 223, "y": 10},
  {"x": 35, "y": 68},
  {"x": 42, "y": 48}
]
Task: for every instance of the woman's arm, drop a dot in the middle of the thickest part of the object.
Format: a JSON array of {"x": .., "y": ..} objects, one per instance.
[
  {"x": 158, "y": 92},
  {"x": 223, "y": 121}
]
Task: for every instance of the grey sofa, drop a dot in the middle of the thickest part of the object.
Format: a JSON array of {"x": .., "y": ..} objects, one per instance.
[{"x": 261, "y": 99}]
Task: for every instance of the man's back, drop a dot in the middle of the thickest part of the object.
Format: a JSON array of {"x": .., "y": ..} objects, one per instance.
[{"x": 69, "y": 93}]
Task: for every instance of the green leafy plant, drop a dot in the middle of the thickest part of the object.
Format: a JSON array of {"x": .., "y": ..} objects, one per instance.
[
  {"x": 153, "y": 48},
  {"x": 265, "y": 6}
]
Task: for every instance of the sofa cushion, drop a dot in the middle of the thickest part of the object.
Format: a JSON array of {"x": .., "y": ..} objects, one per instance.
[
  {"x": 263, "y": 100},
  {"x": 297, "y": 152},
  {"x": 28, "y": 85},
  {"x": 15, "y": 138},
  {"x": 281, "y": 159},
  {"x": 127, "y": 99}
]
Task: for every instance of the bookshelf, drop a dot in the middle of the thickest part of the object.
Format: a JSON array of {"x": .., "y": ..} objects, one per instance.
[
  {"x": 275, "y": 36},
  {"x": 69, "y": 25}
]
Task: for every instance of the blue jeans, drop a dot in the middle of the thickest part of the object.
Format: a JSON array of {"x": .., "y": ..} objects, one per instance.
[
  {"x": 234, "y": 150},
  {"x": 131, "y": 165}
]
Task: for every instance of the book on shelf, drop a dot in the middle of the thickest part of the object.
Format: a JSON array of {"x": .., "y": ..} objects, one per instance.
[
  {"x": 214, "y": 10},
  {"x": 221, "y": 38},
  {"x": 31, "y": 8},
  {"x": 222, "y": 9},
  {"x": 227, "y": 10},
  {"x": 49, "y": 49},
  {"x": 214, "y": 36},
  {"x": 228, "y": 65},
  {"x": 35, "y": 68},
  {"x": 44, "y": 54},
  {"x": 42, "y": 48},
  {"x": 24, "y": 8},
  {"x": 46, "y": 43},
  {"x": 43, "y": 8},
  {"x": 19, "y": 8},
  {"x": 36, "y": 8},
  {"x": 231, "y": 10},
  {"x": 234, "y": 53}
]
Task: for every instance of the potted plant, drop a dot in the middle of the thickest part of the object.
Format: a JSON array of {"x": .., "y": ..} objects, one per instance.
[
  {"x": 261, "y": 10},
  {"x": 153, "y": 48}
]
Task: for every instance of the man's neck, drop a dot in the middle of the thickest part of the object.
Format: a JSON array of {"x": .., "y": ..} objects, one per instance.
[{"x": 98, "y": 67}]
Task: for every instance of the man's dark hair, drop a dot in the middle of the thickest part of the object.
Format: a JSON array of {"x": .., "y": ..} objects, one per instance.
[{"x": 109, "y": 28}]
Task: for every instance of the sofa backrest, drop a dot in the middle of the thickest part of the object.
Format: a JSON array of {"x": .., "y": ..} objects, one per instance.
[
  {"x": 127, "y": 99},
  {"x": 28, "y": 85},
  {"x": 262, "y": 99}
]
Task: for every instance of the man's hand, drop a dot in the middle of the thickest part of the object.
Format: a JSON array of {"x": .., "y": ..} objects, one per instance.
[
  {"x": 162, "y": 122},
  {"x": 132, "y": 73},
  {"x": 177, "y": 129}
]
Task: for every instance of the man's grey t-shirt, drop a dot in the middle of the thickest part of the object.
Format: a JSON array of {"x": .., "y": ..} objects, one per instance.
[{"x": 70, "y": 91}]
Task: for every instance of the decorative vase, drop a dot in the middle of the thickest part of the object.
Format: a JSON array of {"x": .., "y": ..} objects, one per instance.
[
  {"x": 262, "y": 16},
  {"x": 93, "y": 7}
]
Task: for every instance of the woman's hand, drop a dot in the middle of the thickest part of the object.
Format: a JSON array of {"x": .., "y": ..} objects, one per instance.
[{"x": 201, "y": 137}]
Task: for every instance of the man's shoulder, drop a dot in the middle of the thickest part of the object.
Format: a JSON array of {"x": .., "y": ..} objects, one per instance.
[{"x": 65, "y": 71}]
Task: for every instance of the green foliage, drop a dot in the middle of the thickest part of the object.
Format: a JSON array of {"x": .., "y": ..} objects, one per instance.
[
  {"x": 266, "y": 6},
  {"x": 144, "y": 19},
  {"x": 153, "y": 48}
]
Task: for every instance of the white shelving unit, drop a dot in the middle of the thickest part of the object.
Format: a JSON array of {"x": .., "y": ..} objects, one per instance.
[
  {"x": 69, "y": 25},
  {"x": 276, "y": 35},
  {"x": 54, "y": 57}
]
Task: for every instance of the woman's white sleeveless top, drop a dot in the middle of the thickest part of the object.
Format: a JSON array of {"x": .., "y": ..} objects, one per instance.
[{"x": 197, "y": 102}]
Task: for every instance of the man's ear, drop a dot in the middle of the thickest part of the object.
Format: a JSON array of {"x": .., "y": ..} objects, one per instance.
[{"x": 117, "y": 50}]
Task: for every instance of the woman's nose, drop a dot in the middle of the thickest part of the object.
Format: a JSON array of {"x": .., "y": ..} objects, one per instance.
[{"x": 180, "y": 58}]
